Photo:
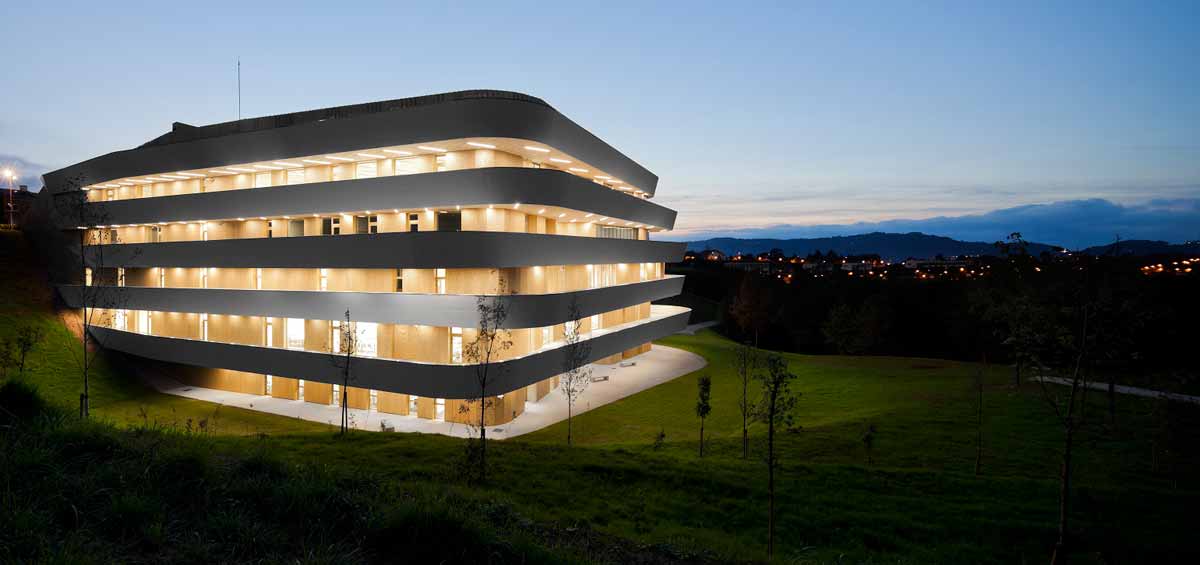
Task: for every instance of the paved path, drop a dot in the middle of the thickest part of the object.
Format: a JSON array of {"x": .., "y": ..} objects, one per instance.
[
  {"x": 691, "y": 329},
  {"x": 659, "y": 365},
  {"x": 1130, "y": 390}
]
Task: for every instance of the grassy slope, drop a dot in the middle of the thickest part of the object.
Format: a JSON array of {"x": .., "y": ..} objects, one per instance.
[
  {"x": 918, "y": 503},
  {"x": 55, "y": 366}
]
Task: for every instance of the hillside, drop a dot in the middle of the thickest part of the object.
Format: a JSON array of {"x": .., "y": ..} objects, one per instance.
[
  {"x": 891, "y": 246},
  {"x": 143, "y": 483}
]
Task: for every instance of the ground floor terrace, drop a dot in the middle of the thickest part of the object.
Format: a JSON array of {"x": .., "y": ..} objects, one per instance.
[{"x": 541, "y": 404}]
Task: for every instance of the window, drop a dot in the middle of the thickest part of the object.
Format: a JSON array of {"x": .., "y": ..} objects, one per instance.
[
  {"x": 366, "y": 170},
  {"x": 109, "y": 195},
  {"x": 295, "y": 333},
  {"x": 331, "y": 226},
  {"x": 597, "y": 321},
  {"x": 547, "y": 335},
  {"x": 258, "y": 280},
  {"x": 601, "y": 276},
  {"x": 449, "y": 221},
  {"x": 616, "y": 232},
  {"x": 119, "y": 320},
  {"x": 414, "y": 223},
  {"x": 120, "y": 276},
  {"x": 87, "y": 276},
  {"x": 408, "y": 166},
  {"x": 399, "y": 280},
  {"x": 366, "y": 335},
  {"x": 143, "y": 322},
  {"x": 335, "y": 336},
  {"x": 204, "y": 231},
  {"x": 295, "y": 228},
  {"x": 262, "y": 179},
  {"x": 271, "y": 228},
  {"x": 162, "y": 277},
  {"x": 155, "y": 234},
  {"x": 204, "y": 327},
  {"x": 360, "y": 224},
  {"x": 373, "y": 224},
  {"x": 295, "y": 176},
  {"x": 456, "y": 345},
  {"x": 269, "y": 334},
  {"x": 204, "y": 278},
  {"x": 324, "y": 280},
  {"x": 440, "y": 278}
]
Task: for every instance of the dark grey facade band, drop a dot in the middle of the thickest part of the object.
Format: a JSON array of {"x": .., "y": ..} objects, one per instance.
[
  {"x": 407, "y": 377},
  {"x": 471, "y": 187},
  {"x": 420, "y": 250},
  {"x": 435, "y": 118},
  {"x": 455, "y": 310}
]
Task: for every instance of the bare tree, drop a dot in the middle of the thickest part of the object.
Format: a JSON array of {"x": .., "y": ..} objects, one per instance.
[
  {"x": 96, "y": 299},
  {"x": 703, "y": 406},
  {"x": 8, "y": 355},
  {"x": 750, "y": 307},
  {"x": 979, "y": 377},
  {"x": 345, "y": 346},
  {"x": 576, "y": 375},
  {"x": 28, "y": 337},
  {"x": 491, "y": 340},
  {"x": 745, "y": 363},
  {"x": 775, "y": 408}
]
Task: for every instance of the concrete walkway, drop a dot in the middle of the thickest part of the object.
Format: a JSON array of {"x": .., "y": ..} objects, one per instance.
[
  {"x": 691, "y": 329},
  {"x": 1130, "y": 390},
  {"x": 659, "y": 365}
]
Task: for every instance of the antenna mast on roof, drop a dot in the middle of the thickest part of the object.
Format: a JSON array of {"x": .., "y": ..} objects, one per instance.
[{"x": 239, "y": 75}]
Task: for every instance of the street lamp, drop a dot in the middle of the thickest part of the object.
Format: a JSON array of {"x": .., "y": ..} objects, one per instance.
[{"x": 10, "y": 175}]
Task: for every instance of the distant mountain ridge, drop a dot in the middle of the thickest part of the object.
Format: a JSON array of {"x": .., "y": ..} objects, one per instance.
[
  {"x": 900, "y": 246},
  {"x": 891, "y": 246}
]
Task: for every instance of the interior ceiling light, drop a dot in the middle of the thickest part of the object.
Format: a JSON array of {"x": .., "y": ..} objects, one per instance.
[
  {"x": 517, "y": 206},
  {"x": 190, "y": 174},
  {"x": 589, "y": 215},
  {"x": 538, "y": 149},
  {"x": 267, "y": 167},
  {"x": 286, "y": 164},
  {"x": 562, "y": 214},
  {"x": 241, "y": 219},
  {"x": 577, "y": 170},
  {"x": 428, "y": 148},
  {"x": 396, "y": 152},
  {"x": 316, "y": 161},
  {"x": 371, "y": 156},
  {"x": 336, "y": 158},
  {"x": 221, "y": 172},
  {"x": 604, "y": 178},
  {"x": 483, "y": 145},
  {"x": 557, "y": 160},
  {"x": 241, "y": 170},
  {"x": 542, "y": 211},
  {"x": 602, "y": 219}
]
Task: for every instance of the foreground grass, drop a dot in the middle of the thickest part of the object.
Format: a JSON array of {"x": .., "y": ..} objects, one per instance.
[{"x": 919, "y": 502}]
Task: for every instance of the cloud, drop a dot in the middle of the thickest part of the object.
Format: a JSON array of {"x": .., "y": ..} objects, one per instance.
[
  {"x": 1071, "y": 223},
  {"x": 28, "y": 172}
]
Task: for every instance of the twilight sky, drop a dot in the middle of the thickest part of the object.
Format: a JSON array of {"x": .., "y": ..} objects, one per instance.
[{"x": 759, "y": 118}]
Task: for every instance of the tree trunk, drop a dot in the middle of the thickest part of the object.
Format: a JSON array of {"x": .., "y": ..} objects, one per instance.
[
  {"x": 979, "y": 421},
  {"x": 1017, "y": 374},
  {"x": 569, "y": 422},
  {"x": 701, "y": 437},
  {"x": 1112, "y": 402},
  {"x": 482, "y": 435},
  {"x": 771, "y": 480},
  {"x": 83, "y": 397},
  {"x": 1060, "y": 556}
]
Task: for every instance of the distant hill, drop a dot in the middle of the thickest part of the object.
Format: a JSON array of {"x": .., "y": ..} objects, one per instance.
[
  {"x": 892, "y": 246},
  {"x": 1141, "y": 247}
]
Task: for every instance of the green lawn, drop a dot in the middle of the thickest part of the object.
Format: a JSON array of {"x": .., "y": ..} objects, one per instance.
[{"x": 919, "y": 502}]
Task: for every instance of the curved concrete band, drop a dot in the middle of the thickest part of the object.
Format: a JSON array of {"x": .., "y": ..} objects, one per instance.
[
  {"x": 453, "y": 117},
  {"x": 419, "y": 250},
  {"x": 454, "y": 310},
  {"x": 471, "y": 187},
  {"x": 407, "y": 377}
]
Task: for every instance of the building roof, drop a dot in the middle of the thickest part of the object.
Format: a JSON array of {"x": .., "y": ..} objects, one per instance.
[{"x": 181, "y": 132}]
